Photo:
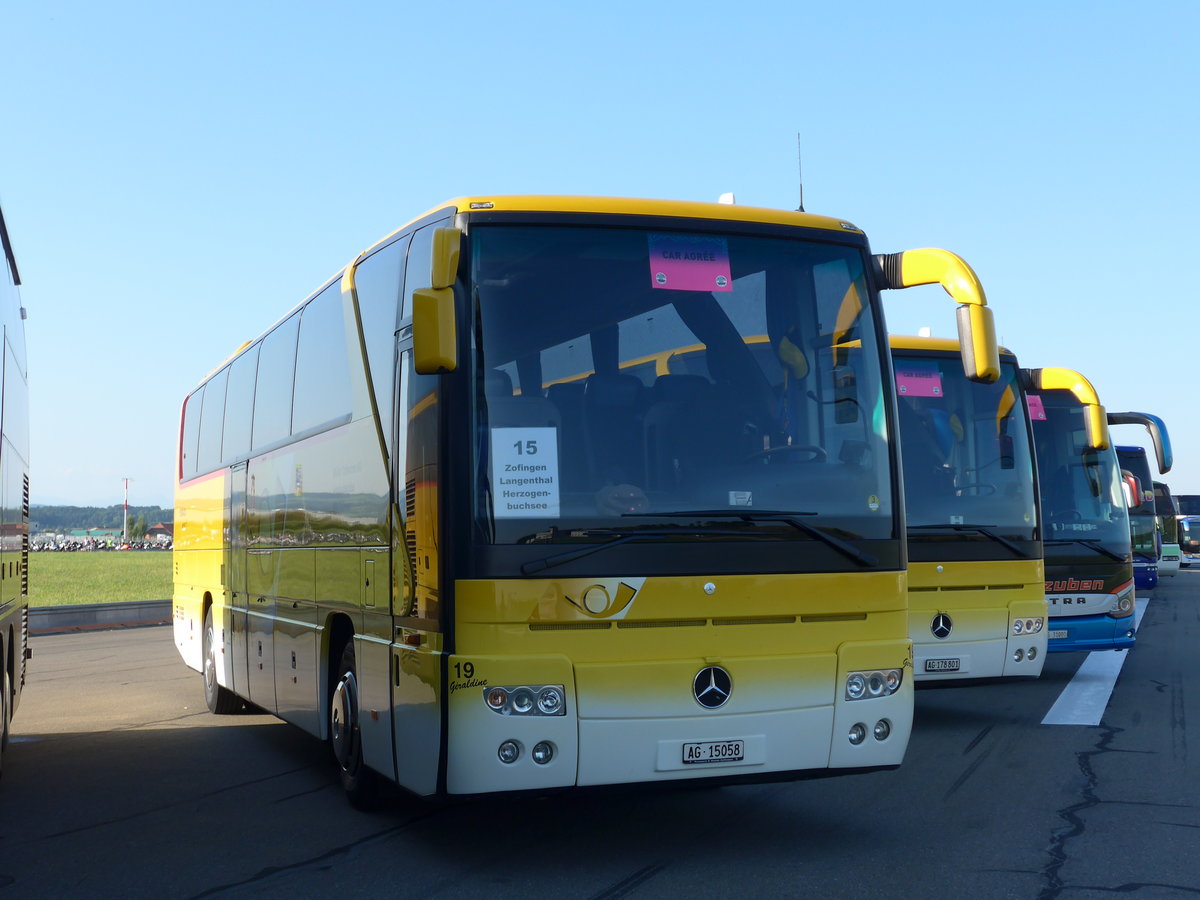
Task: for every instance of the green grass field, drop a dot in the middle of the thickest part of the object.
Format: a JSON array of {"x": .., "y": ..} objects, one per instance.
[{"x": 65, "y": 579}]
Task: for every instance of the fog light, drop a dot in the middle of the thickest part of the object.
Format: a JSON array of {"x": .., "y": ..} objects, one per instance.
[
  {"x": 522, "y": 700},
  {"x": 1018, "y": 655},
  {"x": 856, "y": 686},
  {"x": 1018, "y": 626},
  {"x": 1032, "y": 654},
  {"x": 550, "y": 701},
  {"x": 497, "y": 698},
  {"x": 542, "y": 752},
  {"x": 509, "y": 752},
  {"x": 858, "y": 733},
  {"x": 883, "y": 728}
]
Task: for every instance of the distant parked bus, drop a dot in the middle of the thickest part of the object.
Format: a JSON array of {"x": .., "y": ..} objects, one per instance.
[
  {"x": 1143, "y": 519},
  {"x": 1170, "y": 558},
  {"x": 14, "y": 494},
  {"x": 1089, "y": 569},
  {"x": 977, "y": 606},
  {"x": 1189, "y": 537}
]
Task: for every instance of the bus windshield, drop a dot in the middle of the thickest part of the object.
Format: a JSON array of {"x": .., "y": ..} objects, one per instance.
[
  {"x": 965, "y": 446},
  {"x": 701, "y": 384},
  {"x": 1081, "y": 489}
]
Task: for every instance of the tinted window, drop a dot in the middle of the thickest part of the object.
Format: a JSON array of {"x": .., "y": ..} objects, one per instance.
[
  {"x": 273, "y": 392},
  {"x": 239, "y": 405},
  {"x": 322, "y": 374},
  {"x": 212, "y": 420},
  {"x": 191, "y": 432},
  {"x": 377, "y": 281},
  {"x": 419, "y": 271}
]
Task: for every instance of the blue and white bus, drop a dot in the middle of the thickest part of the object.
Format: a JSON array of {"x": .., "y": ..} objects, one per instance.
[{"x": 1089, "y": 567}]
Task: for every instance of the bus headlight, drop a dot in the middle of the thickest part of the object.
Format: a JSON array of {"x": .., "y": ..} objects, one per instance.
[
  {"x": 526, "y": 700},
  {"x": 1124, "y": 606},
  {"x": 877, "y": 683},
  {"x": 550, "y": 701},
  {"x": 856, "y": 686},
  {"x": 1028, "y": 626}
]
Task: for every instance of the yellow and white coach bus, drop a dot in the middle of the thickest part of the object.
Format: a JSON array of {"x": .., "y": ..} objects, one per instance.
[
  {"x": 976, "y": 585},
  {"x": 14, "y": 492},
  {"x": 434, "y": 517}
]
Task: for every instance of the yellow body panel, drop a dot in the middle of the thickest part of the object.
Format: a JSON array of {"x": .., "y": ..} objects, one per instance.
[
  {"x": 982, "y": 601},
  {"x": 626, "y": 651},
  {"x": 198, "y": 560}
]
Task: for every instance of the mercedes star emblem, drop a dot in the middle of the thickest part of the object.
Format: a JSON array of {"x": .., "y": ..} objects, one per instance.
[
  {"x": 941, "y": 626},
  {"x": 712, "y": 687}
]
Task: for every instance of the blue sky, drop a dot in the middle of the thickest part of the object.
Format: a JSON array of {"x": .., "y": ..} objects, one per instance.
[{"x": 175, "y": 177}]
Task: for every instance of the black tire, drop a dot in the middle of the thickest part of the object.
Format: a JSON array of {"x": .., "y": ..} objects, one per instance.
[
  {"x": 362, "y": 786},
  {"x": 5, "y": 715},
  {"x": 220, "y": 701}
]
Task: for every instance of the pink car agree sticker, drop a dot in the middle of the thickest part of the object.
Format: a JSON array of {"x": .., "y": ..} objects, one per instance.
[
  {"x": 916, "y": 380},
  {"x": 1037, "y": 412},
  {"x": 684, "y": 262}
]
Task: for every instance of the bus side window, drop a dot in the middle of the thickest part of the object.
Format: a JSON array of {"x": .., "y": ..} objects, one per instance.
[
  {"x": 239, "y": 406},
  {"x": 273, "y": 389},
  {"x": 191, "y": 433},
  {"x": 377, "y": 281},
  {"x": 322, "y": 388},
  {"x": 212, "y": 420}
]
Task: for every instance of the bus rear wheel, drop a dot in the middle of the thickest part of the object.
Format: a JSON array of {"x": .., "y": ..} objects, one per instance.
[
  {"x": 362, "y": 786},
  {"x": 220, "y": 701},
  {"x": 5, "y": 701}
]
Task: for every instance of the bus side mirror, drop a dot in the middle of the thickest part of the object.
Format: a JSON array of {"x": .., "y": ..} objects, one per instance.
[
  {"x": 1133, "y": 489},
  {"x": 446, "y": 244},
  {"x": 435, "y": 338},
  {"x": 976, "y": 328},
  {"x": 435, "y": 334},
  {"x": 1095, "y": 419},
  {"x": 977, "y": 342}
]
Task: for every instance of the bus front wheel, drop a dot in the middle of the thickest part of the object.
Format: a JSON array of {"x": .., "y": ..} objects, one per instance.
[
  {"x": 360, "y": 783},
  {"x": 220, "y": 701}
]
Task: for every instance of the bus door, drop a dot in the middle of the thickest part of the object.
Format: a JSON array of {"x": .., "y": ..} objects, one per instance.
[
  {"x": 416, "y": 616},
  {"x": 235, "y": 515}
]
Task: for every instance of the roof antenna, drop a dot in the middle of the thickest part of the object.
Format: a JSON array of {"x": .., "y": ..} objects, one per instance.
[{"x": 800, "y": 170}]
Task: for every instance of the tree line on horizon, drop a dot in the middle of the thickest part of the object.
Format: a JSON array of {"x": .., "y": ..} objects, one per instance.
[{"x": 67, "y": 518}]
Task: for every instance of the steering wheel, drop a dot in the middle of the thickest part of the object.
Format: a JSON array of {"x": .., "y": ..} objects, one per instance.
[{"x": 818, "y": 453}]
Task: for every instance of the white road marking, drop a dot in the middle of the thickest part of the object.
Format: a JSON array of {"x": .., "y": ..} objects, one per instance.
[{"x": 1085, "y": 698}]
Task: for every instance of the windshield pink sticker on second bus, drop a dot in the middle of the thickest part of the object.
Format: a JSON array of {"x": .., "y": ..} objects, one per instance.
[
  {"x": 1037, "y": 411},
  {"x": 688, "y": 262},
  {"x": 918, "y": 379}
]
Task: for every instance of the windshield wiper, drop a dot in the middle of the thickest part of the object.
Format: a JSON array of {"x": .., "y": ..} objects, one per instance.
[
  {"x": 985, "y": 530},
  {"x": 616, "y": 537},
  {"x": 1091, "y": 545},
  {"x": 789, "y": 517}
]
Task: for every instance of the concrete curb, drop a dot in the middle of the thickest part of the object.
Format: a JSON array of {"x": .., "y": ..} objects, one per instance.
[{"x": 98, "y": 616}]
